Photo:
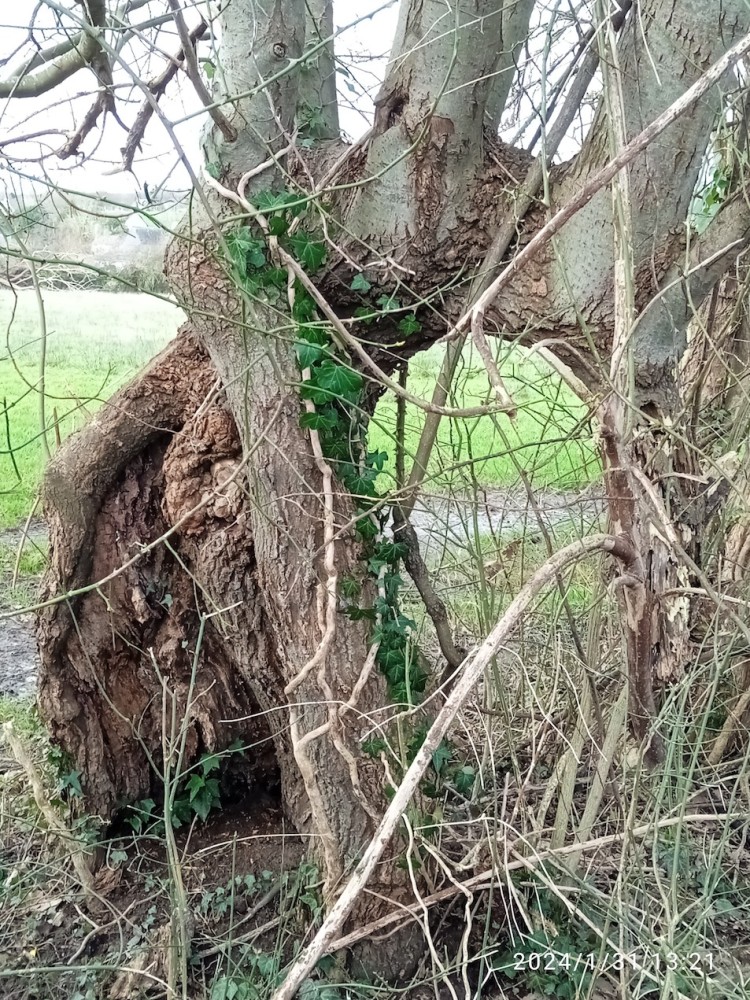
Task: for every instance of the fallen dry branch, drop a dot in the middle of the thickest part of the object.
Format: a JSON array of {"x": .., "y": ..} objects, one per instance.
[{"x": 78, "y": 854}]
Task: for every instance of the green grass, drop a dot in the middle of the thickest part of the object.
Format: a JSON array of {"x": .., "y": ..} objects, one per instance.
[
  {"x": 23, "y": 714},
  {"x": 550, "y": 440},
  {"x": 96, "y": 341},
  {"x": 30, "y": 567}
]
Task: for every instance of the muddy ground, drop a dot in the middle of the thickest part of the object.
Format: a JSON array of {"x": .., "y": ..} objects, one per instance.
[{"x": 18, "y": 653}]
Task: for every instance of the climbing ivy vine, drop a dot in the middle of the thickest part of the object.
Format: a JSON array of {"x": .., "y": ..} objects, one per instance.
[{"x": 337, "y": 392}]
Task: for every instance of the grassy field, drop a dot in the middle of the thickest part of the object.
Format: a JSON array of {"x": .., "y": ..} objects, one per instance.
[
  {"x": 550, "y": 439},
  {"x": 96, "y": 341}
]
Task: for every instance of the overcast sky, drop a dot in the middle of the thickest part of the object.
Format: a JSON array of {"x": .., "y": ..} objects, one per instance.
[
  {"x": 362, "y": 45},
  {"x": 365, "y": 30}
]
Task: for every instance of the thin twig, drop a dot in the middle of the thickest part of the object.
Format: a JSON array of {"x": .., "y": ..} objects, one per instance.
[
  {"x": 472, "y": 670},
  {"x": 193, "y": 71}
]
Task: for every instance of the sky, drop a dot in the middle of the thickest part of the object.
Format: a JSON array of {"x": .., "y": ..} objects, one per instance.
[{"x": 365, "y": 31}]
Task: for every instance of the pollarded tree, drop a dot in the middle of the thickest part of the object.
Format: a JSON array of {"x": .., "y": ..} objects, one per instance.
[{"x": 311, "y": 270}]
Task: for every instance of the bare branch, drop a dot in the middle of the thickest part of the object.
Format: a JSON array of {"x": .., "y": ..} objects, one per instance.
[
  {"x": 157, "y": 87},
  {"x": 473, "y": 668},
  {"x": 83, "y": 48},
  {"x": 193, "y": 71}
]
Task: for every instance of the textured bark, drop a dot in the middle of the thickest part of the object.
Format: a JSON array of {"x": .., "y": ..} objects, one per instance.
[
  {"x": 235, "y": 479},
  {"x": 102, "y": 652}
]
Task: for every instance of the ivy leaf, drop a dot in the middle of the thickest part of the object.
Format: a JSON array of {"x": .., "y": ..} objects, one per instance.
[
  {"x": 409, "y": 324},
  {"x": 365, "y": 314},
  {"x": 274, "y": 277},
  {"x": 201, "y": 805},
  {"x": 360, "y": 283},
  {"x": 391, "y": 551},
  {"x": 339, "y": 449},
  {"x": 349, "y": 586},
  {"x": 362, "y": 484},
  {"x": 392, "y": 659},
  {"x": 389, "y": 303},
  {"x": 274, "y": 201},
  {"x": 322, "y": 420},
  {"x": 311, "y": 347},
  {"x": 392, "y": 582},
  {"x": 309, "y": 390},
  {"x": 441, "y": 757},
  {"x": 277, "y": 225},
  {"x": 256, "y": 255},
  {"x": 366, "y": 529},
  {"x": 309, "y": 252},
  {"x": 399, "y": 694},
  {"x": 195, "y": 785},
  {"x": 464, "y": 779},
  {"x": 377, "y": 459},
  {"x": 338, "y": 380},
  {"x": 304, "y": 307},
  {"x": 210, "y": 762},
  {"x": 374, "y": 747}
]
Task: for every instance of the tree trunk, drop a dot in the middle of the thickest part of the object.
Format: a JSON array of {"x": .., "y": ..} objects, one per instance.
[{"x": 237, "y": 613}]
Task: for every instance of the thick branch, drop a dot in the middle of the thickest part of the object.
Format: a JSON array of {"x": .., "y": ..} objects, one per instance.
[
  {"x": 514, "y": 32},
  {"x": 473, "y": 668},
  {"x": 82, "y": 49},
  {"x": 659, "y": 338},
  {"x": 661, "y": 55},
  {"x": 502, "y": 242},
  {"x": 264, "y": 120},
  {"x": 430, "y": 115},
  {"x": 319, "y": 97},
  {"x": 602, "y": 178}
]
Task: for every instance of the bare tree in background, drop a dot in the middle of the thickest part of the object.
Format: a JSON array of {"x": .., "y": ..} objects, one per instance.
[{"x": 292, "y": 238}]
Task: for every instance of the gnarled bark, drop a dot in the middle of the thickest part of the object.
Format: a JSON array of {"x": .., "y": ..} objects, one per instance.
[
  {"x": 239, "y": 485},
  {"x": 107, "y": 651}
]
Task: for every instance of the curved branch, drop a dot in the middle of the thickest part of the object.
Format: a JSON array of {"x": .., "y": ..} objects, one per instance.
[
  {"x": 472, "y": 670},
  {"x": 78, "y": 54},
  {"x": 84, "y": 470}
]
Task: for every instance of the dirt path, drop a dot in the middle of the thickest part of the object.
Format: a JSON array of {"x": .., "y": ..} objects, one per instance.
[
  {"x": 445, "y": 523},
  {"x": 18, "y": 658},
  {"x": 18, "y": 654}
]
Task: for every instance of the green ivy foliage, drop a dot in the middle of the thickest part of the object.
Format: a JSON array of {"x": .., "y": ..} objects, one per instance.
[{"x": 337, "y": 392}]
